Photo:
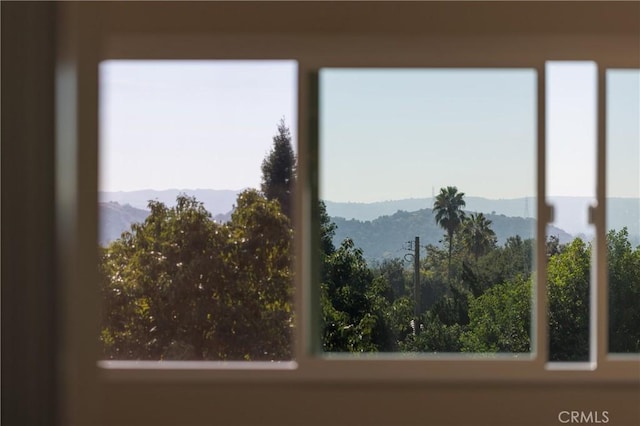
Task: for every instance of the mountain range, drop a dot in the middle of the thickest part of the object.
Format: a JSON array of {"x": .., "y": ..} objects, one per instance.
[
  {"x": 386, "y": 237},
  {"x": 570, "y": 212},
  {"x": 381, "y": 228},
  {"x": 216, "y": 201}
]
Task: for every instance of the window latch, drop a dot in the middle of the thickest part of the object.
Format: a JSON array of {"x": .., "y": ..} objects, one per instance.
[{"x": 593, "y": 214}]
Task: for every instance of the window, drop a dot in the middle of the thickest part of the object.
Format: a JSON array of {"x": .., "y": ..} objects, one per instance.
[
  {"x": 623, "y": 208},
  {"x": 571, "y": 183},
  {"x": 429, "y": 177},
  {"x": 203, "y": 272},
  {"x": 137, "y": 393}
]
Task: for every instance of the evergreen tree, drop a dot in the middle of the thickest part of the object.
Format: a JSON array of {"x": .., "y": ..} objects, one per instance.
[{"x": 279, "y": 170}]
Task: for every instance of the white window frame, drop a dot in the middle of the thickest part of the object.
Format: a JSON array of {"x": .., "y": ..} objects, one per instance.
[{"x": 92, "y": 33}]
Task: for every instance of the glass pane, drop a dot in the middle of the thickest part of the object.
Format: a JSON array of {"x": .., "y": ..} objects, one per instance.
[
  {"x": 623, "y": 208},
  {"x": 571, "y": 183},
  {"x": 197, "y": 165},
  {"x": 427, "y": 188}
]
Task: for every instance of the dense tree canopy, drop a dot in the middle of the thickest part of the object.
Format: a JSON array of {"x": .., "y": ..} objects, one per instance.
[
  {"x": 624, "y": 293},
  {"x": 181, "y": 286},
  {"x": 568, "y": 275}
]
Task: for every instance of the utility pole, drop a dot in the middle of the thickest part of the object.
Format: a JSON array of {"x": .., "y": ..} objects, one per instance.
[
  {"x": 416, "y": 283},
  {"x": 415, "y": 323}
]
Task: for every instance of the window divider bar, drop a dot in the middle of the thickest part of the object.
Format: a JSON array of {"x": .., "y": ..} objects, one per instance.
[
  {"x": 540, "y": 320},
  {"x": 311, "y": 329},
  {"x": 599, "y": 318}
]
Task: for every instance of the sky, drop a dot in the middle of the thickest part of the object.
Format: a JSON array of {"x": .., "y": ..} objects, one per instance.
[
  {"x": 571, "y": 128},
  {"x": 393, "y": 134},
  {"x": 623, "y": 133},
  {"x": 191, "y": 124},
  {"x": 384, "y": 134}
]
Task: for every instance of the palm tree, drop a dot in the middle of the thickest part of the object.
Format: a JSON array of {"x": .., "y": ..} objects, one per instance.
[
  {"x": 478, "y": 235},
  {"x": 449, "y": 215}
]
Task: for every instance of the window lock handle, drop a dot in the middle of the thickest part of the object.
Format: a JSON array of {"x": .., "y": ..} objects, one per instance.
[
  {"x": 550, "y": 213},
  {"x": 593, "y": 213}
]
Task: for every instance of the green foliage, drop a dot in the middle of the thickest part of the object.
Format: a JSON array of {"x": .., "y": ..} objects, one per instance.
[
  {"x": 502, "y": 264},
  {"x": 453, "y": 309},
  {"x": 500, "y": 319},
  {"x": 394, "y": 272},
  {"x": 434, "y": 336},
  {"x": 279, "y": 170},
  {"x": 624, "y": 293},
  {"x": 327, "y": 230},
  {"x": 433, "y": 279},
  {"x": 448, "y": 209},
  {"x": 347, "y": 312},
  {"x": 568, "y": 277},
  {"x": 477, "y": 235},
  {"x": 259, "y": 271},
  {"x": 180, "y": 286},
  {"x": 383, "y": 238},
  {"x": 359, "y": 313}
]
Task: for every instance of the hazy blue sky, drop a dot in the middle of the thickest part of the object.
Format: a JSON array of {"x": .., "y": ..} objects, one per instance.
[
  {"x": 623, "y": 133},
  {"x": 571, "y": 128},
  {"x": 390, "y": 134},
  {"x": 385, "y": 134},
  {"x": 191, "y": 124}
]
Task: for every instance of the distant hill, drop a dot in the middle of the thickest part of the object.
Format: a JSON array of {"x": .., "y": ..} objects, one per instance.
[
  {"x": 571, "y": 212},
  {"x": 387, "y": 236},
  {"x": 365, "y": 220},
  {"x": 214, "y": 200},
  {"x": 116, "y": 218},
  {"x": 516, "y": 207}
]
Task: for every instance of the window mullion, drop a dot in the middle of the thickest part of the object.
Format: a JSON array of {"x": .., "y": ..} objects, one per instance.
[
  {"x": 540, "y": 319},
  {"x": 599, "y": 318}
]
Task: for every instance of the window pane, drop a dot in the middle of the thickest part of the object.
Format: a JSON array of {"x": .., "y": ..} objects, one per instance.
[
  {"x": 197, "y": 164},
  {"x": 427, "y": 188},
  {"x": 571, "y": 182},
  {"x": 623, "y": 208}
]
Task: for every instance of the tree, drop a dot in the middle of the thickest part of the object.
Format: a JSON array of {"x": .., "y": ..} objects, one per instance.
[
  {"x": 477, "y": 235},
  {"x": 449, "y": 215},
  {"x": 158, "y": 284},
  {"x": 180, "y": 286},
  {"x": 435, "y": 336},
  {"x": 359, "y": 310},
  {"x": 327, "y": 230},
  {"x": 259, "y": 279},
  {"x": 501, "y": 264},
  {"x": 624, "y": 293},
  {"x": 568, "y": 275},
  {"x": 500, "y": 319},
  {"x": 279, "y": 170},
  {"x": 348, "y": 321}
]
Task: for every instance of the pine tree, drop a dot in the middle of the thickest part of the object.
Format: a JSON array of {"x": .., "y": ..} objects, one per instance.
[{"x": 279, "y": 170}]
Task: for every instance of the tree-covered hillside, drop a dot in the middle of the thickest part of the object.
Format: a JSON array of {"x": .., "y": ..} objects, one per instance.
[
  {"x": 116, "y": 218},
  {"x": 386, "y": 237}
]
